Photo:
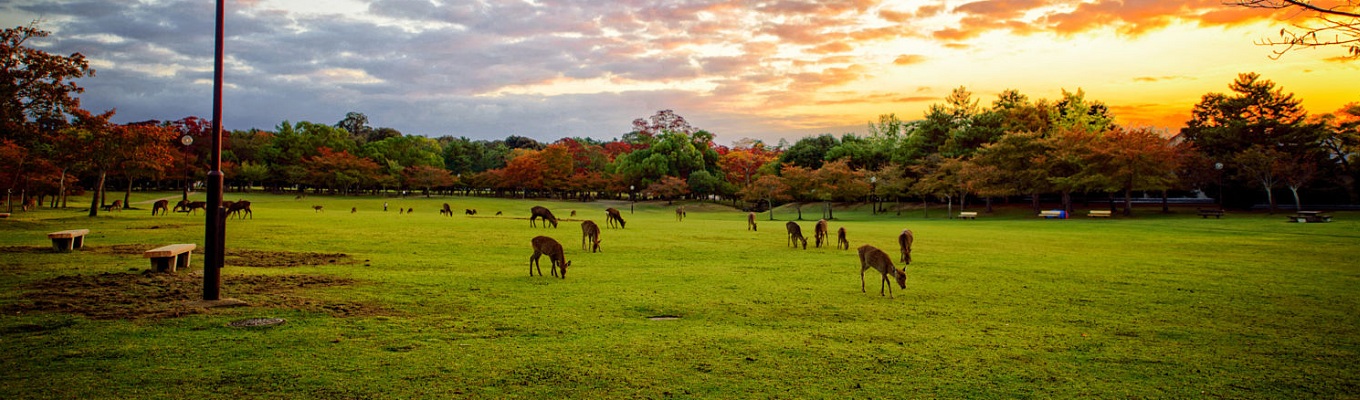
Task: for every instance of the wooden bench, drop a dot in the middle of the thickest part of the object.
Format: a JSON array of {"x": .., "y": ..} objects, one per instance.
[
  {"x": 1098, "y": 213},
  {"x": 968, "y": 214},
  {"x": 170, "y": 258},
  {"x": 1052, "y": 214},
  {"x": 1205, "y": 213},
  {"x": 68, "y": 240}
]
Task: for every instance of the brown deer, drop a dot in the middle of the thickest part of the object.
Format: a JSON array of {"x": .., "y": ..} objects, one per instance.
[
  {"x": 904, "y": 241},
  {"x": 241, "y": 209},
  {"x": 573, "y": 213},
  {"x": 116, "y": 206},
  {"x": 181, "y": 206},
  {"x": 353, "y": 210},
  {"x": 317, "y": 209},
  {"x": 590, "y": 233},
  {"x": 163, "y": 206},
  {"x": 841, "y": 243},
  {"x": 194, "y": 206},
  {"x": 796, "y": 234},
  {"x": 542, "y": 212},
  {"x": 751, "y": 222},
  {"x": 544, "y": 245},
  {"x": 446, "y": 210},
  {"x": 819, "y": 232},
  {"x": 679, "y": 213},
  {"x": 469, "y": 211},
  {"x": 872, "y": 257},
  {"x": 612, "y": 216},
  {"x": 30, "y": 204},
  {"x": 226, "y": 205}
]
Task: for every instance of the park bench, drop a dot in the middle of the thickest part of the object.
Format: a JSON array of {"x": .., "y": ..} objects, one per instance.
[
  {"x": 1310, "y": 216},
  {"x": 68, "y": 240},
  {"x": 1052, "y": 214},
  {"x": 968, "y": 214},
  {"x": 4, "y": 215},
  {"x": 1205, "y": 213},
  {"x": 1098, "y": 213},
  {"x": 171, "y": 257}
]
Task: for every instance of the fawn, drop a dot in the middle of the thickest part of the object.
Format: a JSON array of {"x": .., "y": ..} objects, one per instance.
[
  {"x": 872, "y": 257},
  {"x": 904, "y": 241},
  {"x": 590, "y": 232},
  {"x": 796, "y": 234}
]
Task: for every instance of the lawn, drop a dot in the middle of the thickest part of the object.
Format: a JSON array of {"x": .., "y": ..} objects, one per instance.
[{"x": 381, "y": 304}]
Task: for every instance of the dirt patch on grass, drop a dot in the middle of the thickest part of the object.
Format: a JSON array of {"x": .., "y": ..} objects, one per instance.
[
  {"x": 149, "y": 295},
  {"x": 233, "y": 257}
]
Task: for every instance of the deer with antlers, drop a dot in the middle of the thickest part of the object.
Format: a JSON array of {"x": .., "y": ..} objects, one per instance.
[
  {"x": 542, "y": 212},
  {"x": 795, "y": 234},
  {"x": 590, "y": 232},
  {"x": 544, "y": 245},
  {"x": 904, "y": 241},
  {"x": 612, "y": 216},
  {"x": 872, "y": 257}
]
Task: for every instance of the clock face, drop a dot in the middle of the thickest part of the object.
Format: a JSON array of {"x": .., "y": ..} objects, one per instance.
[{"x": 187, "y": 140}]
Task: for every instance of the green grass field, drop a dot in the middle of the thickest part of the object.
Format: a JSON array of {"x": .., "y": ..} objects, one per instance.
[{"x": 426, "y": 306}]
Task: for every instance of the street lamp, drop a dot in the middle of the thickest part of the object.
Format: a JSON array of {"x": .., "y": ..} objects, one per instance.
[
  {"x": 1218, "y": 166},
  {"x": 873, "y": 181},
  {"x": 631, "y": 198}
]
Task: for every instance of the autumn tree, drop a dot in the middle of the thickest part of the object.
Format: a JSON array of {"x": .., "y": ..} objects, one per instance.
[
  {"x": 668, "y": 188},
  {"x": 1136, "y": 159},
  {"x": 802, "y": 184},
  {"x": 36, "y": 88},
  {"x": 768, "y": 188},
  {"x": 1261, "y": 165},
  {"x": 741, "y": 165},
  {"x": 836, "y": 181},
  {"x": 426, "y": 177},
  {"x": 339, "y": 170}
]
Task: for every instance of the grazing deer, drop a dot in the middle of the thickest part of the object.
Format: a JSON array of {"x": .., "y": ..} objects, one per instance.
[
  {"x": 796, "y": 234},
  {"x": 820, "y": 233},
  {"x": 590, "y": 233},
  {"x": 469, "y": 211},
  {"x": 612, "y": 216},
  {"x": 241, "y": 209},
  {"x": 498, "y": 213},
  {"x": 317, "y": 209},
  {"x": 446, "y": 211},
  {"x": 679, "y": 213},
  {"x": 544, "y": 245},
  {"x": 116, "y": 206},
  {"x": 163, "y": 206},
  {"x": 573, "y": 213},
  {"x": 194, "y": 206},
  {"x": 410, "y": 210},
  {"x": 872, "y": 257},
  {"x": 181, "y": 206},
  {"x": 841, "y": 243},
  {"x": 353, "y": 210},
  {"x": 542, "y": 212},
  {"x": 904, "y": 241},
  {"x": 401, "y": 211},
  {"x": 751, "y": 222}
]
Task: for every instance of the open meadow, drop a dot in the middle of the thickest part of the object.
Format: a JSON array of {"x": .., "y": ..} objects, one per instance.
[{"x": 381, "y": 304}]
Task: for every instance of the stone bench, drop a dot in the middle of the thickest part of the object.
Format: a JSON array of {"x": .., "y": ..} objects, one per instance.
[
  {"x": 171, "y": 257},
  {"x": 68, "y": 240},
  {"x": 968, "y": 214},
  {"x": 1098, "y": 214},
  {"x": 1205, "y": 213}
]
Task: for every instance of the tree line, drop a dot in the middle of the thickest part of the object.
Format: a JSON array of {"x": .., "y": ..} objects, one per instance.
[{"x": 1247, "y": 144}]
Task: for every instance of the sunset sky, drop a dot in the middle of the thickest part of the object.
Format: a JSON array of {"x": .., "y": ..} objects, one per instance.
[{"x": 762, "y": 69}]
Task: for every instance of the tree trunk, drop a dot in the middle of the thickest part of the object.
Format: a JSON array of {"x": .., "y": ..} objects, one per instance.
[
  {"x": 1128, "y": 202},
  {"x": 1067, "y": 201},
  {"x": 98, "y": 195},
  {"x": 989, "y": 205},
  {"x": 1034, "y": 199},
  {"x": 1298, "y": 205},
  {"x": 1270, "y": 196},
  {"x": 61, "y": 189},
  {"x": 127, "y": 196},
  {"x": 1166, "y": 206}
]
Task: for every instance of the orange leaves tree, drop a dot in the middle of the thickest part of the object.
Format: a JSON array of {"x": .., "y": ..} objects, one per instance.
[
  {"x": 426, "y": 177},
  {"x": 668, "y": 188},
  {"x": 1137, "y": 159},
  {"x": 339, "y": 171}
]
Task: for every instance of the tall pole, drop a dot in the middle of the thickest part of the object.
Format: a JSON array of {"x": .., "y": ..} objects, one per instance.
[{"x": 216, "y": 233}]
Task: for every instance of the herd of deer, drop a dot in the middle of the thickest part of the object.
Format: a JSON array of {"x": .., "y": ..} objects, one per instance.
[{"x": 239, "y": 208}]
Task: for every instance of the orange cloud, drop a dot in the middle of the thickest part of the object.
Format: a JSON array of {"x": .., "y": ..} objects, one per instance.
[{"x": 909, "y": 59}]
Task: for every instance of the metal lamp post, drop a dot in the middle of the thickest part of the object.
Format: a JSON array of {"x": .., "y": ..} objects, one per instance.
[
  {"x": 873, "y": 187},
  {"x": 215, "y": 234},
  {"x": 631, "y": 197},
  {"x": 1219, "y": 167}
]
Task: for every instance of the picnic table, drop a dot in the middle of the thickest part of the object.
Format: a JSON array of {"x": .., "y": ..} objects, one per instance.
[{"x": 1309, "y": 216}]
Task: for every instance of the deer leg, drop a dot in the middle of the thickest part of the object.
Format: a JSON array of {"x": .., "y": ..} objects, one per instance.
[
  {"x": 533, "y": 260},
  {"x": 862, "y": 268}
]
